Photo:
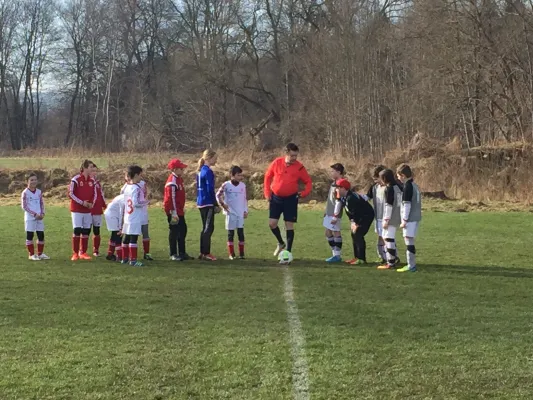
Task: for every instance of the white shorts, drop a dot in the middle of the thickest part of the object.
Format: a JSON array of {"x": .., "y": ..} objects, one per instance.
[
  {"x": 34, "y": 225},
  {"x": 144, "y": 218},
  {"x": 332, "y": 227},
  {"x": 81, "y": 220},
  {"x": 411, "y": 229},
  {"x": 112, "y": 223},
  {"x": 234, "y": 222},
  {"x": 97, "y": 220},
  {"x": 378, "y": 227},
  {"x": 390, "y": 232},
  {"x": 132, "y": 229}
]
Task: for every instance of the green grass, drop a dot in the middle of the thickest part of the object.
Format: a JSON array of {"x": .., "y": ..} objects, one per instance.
[{"x": 460, "y": 328}]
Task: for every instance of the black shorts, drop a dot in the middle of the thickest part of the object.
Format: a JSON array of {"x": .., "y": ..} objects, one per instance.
[{"x": 288, "y": 206}]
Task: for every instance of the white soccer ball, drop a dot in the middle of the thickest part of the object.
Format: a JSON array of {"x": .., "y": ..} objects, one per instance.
[{"x": 285, "y": 257}]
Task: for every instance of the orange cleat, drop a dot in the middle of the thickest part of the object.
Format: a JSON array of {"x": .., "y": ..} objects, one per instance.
[
  {"x": 85, "y": 256},
  {"x": 74, "y": 257},
  {"x": 385, "y": 266},
  {"x": 352, "y": 261}
]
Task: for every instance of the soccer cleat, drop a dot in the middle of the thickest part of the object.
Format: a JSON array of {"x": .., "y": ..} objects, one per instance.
[
  {"x": 175, "y": 258},
  {"x": 279, "y": 248},
  {"x": 111, "y": 257},
  {"x": 397, "y": 261},
  {"x": 43, "y": 257},
  {"x": 352, "y": 261},
  {"x": 85, "y": 256},
  {"x": 136, "y": 264},
  {"x": 186, "y": 257},
  {"x": 242, "y": 257},
  {"x": 35, "y": 257},
  {"x": 406, "y": 269},
  {"x": 96, "y": 254},
  {"x": 148, "y": 257},
  {"x": 359, "y": 262},
  {"x": 385, "y": 266},
  {"x": 75, "y": 257},
  {"x": 209, "y": 257},
  {"x": 232, "y": 257},
  {"x": 334, "y": 259},
  {"x": 124, "y": 261}
]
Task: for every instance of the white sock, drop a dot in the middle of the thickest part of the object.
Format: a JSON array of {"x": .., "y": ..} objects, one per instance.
[
  {"x": 410, "y": 252},
  {"x": 391, "y": 250},
  {"x": 338, "y": 246},
  {"x": 381, "y": 251}
]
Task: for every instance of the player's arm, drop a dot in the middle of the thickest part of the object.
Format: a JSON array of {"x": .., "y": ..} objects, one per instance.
[
  {"x": 306, "y": 179},
  {"x": 389, "y": 203},
  {"x": 245, "y": 202},
  {"x": 41, "y": 202},
  {"x": 267, "y": 183},
  {"x": 338, "y": 208},
  {"x": 71, "y": 189},
  {"x": 407, "y": 197},
  {"x": 104, "y": 203},
  {"x": 220, "y": 195},
  {"x": 136, "y": 199},
  {"x": 370, "y": 194},
  {"x": 24, "y": 204},
  {"x": 123, "y": 188}
]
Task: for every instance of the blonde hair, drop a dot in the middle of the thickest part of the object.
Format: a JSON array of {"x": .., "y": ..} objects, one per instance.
[{"x": 206, "y": 155}]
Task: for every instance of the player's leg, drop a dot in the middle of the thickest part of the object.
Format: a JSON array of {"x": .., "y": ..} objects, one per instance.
[
  {"x": 290, "y": 215},
  {"x": 337, "y": 239},
  {"x": 133, "y": 250},
  {"x": 389, "y": 234},
  {"x": 40, "y": 241},
  {"x": 30, "y": 246},
  {"x": 112, "y": 246},
  {"x": 86, "y": 229},
  {"x": 77, "y": 223},
  {"x": 331, "y": 240},
  {"x": 126, "y": 246},
  {"x": 231, "y": 243},
  {"x": 182, "y": 235},
  {"x": 208, "y": 226},
  {"x": 172, "y": 238},
  {"x": 119, "y": 246},
  {"x": 146, "y": 242},
  {"x": 240, "y": 235},
  {"x": 380, "y": 245},
  {"x": 275, "y": 211},
  {"x": 360, "y": 242},
  {"x": 97, "y": 223},
  {"x": 409, "y": 233}
]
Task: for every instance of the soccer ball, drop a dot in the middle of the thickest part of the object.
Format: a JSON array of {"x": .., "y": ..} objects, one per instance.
[{"x": 285, "y": 257}]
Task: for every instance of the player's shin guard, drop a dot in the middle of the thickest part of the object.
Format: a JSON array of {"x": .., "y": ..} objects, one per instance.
[
  {"x": 290, "y": 239},
  {"x": 96, "y": 243},
  {"x": 84, "y": 240},
  {"x": 119, "y": 251},
  {"x": 111, "y": 248},
  {"x": 76, "y": 240},
  {"x": 231, "y": 245},
  {"x": 411, "y": 252},
  {"x": 337, "y": 251},
  {"x": 146, "y": 245},
  {"x": 382, "y": 253},
  {"x": 133, "y": 252},
  {"x": 331, "y": 242},
  {"x": 277, "y": 233},
  {"x": 240, "y": 234},
  {"x": 31, "y": 247},
  {"x": 391, "y": 251}
]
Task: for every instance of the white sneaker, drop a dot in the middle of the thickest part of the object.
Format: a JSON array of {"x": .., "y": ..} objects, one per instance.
[
  {"x": 35, "y": 257},
  {"x": 95, "y": 254},
  {"x": 44, "y": 257},
  {"x": 279, "y": 249}
]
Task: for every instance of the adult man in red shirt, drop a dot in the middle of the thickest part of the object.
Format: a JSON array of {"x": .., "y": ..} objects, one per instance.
[
  {"x": 281, "y": 188},
  {"x": 82, "y": 193}
]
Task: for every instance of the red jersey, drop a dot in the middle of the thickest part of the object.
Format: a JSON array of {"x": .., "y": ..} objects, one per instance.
[
  {"x": 99, "y": 204},
  {"x": 174, "y": 199},
  {"x": 81, "y": 189},
  {"x": 283, "y": 180}
]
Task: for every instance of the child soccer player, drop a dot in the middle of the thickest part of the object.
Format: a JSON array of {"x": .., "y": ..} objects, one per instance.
[
  {"x": 144, "y": 222},
  {"x": 133, "y": 216},
  {"x": 174, "y": 207},
  {"x": 332, "y": 216},
  {"x": 391, "y": 216},
  {"x": 232, "y": 198},
  {"x": 33, "y": 205},
  {"x": 114, "y": 216},
  {"x": 361, "y": 215},
  {"x": 411, "y": 213},
  {"x": 82, "y": 195},
  {"x": 96, "y": 213},
  {"x": 376, "y": 193}
]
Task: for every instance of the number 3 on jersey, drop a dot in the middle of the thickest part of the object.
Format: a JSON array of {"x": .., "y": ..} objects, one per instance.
[{"x": 130, "y": 207}]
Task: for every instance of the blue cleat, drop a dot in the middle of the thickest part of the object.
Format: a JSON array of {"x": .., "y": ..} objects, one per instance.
[{"x": 334, "y": 259}]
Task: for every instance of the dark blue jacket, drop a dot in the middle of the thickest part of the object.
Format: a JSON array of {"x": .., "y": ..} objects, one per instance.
[{"x": 205, "y": 187}]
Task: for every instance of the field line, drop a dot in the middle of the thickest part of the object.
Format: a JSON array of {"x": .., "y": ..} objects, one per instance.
[{"x": 300, "y": 373}]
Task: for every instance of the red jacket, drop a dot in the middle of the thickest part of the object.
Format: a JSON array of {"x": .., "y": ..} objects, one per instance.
[
  {"x": 283, "y": 180},
  {"x": 81, "y": 189},
  {"x": 99, "y": 204},
  {"x": 174, "y": 198}
]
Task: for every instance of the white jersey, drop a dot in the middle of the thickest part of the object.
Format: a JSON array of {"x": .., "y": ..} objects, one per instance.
[
  {"x": 115, "y": 209},
  {"x": 133, "y": 203},
  {"x": 144, "y": 189},
  {"x": 234, "y": 196},
  {"x": 32, "y": 203}
]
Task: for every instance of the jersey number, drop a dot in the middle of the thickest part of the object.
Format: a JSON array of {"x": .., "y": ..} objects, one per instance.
[{"x": 130, "y": 207}]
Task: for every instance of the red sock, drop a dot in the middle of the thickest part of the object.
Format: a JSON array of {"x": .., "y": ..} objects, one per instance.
[
  {"x": 231, "y": 249},
  {"x": 125, "y": 252},
  {"x": 75, "y": 244},
  {"x": 119, "y": 252},
  {"x": 96, "y": 243},
  {"x": 241, "y": 248},
  {"x": 40, "y": 248},
  {"x": 146, "y": 246},
  {"x": 30, "y": 247},
  {"x": 84, "y": 243},
  {"x": 133, "y": 251},
  {"x": 111, "y": 248}
]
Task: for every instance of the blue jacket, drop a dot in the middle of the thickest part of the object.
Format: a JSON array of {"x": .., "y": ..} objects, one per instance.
[{"x": 205, "y": 187}]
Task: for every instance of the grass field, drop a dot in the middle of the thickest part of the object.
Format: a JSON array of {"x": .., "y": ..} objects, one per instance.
[{"x": 460, "y": 328}]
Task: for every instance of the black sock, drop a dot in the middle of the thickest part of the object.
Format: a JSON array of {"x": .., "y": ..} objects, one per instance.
[
  {"x": 277, "y": 234},
  {"x": 290, "y": 239}
]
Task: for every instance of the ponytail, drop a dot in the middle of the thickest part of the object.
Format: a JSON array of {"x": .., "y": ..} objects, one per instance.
[
  {"x": 201, "y": 163},
  {"x": 206, "y": 155}
]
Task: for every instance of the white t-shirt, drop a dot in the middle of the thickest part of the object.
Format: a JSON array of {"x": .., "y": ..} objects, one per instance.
[
  {"x": 234, "y": 196},
  {"x": 133, "y": 204},
  {"x": 115, "y": 209},
  {"x": 32, "y": 203}
]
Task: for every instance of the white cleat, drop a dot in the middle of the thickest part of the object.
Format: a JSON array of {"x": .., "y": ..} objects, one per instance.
[
  {"x": 44, "y": 257},
  {"x": 95, "y": 254},
  {"x": 279, "y": 249},
  {"x": 35, "y": 257}
]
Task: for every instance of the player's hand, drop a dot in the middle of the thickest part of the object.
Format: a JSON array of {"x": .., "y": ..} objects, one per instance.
[
  {"x": 119, "y": 233},
  {"x": 246, "y": 214},
  {"x": 385, "y": 224},
  {"x": 334, "y": 221},
  {"x": 85, "y": 204},
  {"x": 403, "y": 224},
  {"x": 42, "y": 216},
  {"x": 225, "y": 207},
  {"x": 217, "y": 209},
  {"x": 354, "y": 227}
]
